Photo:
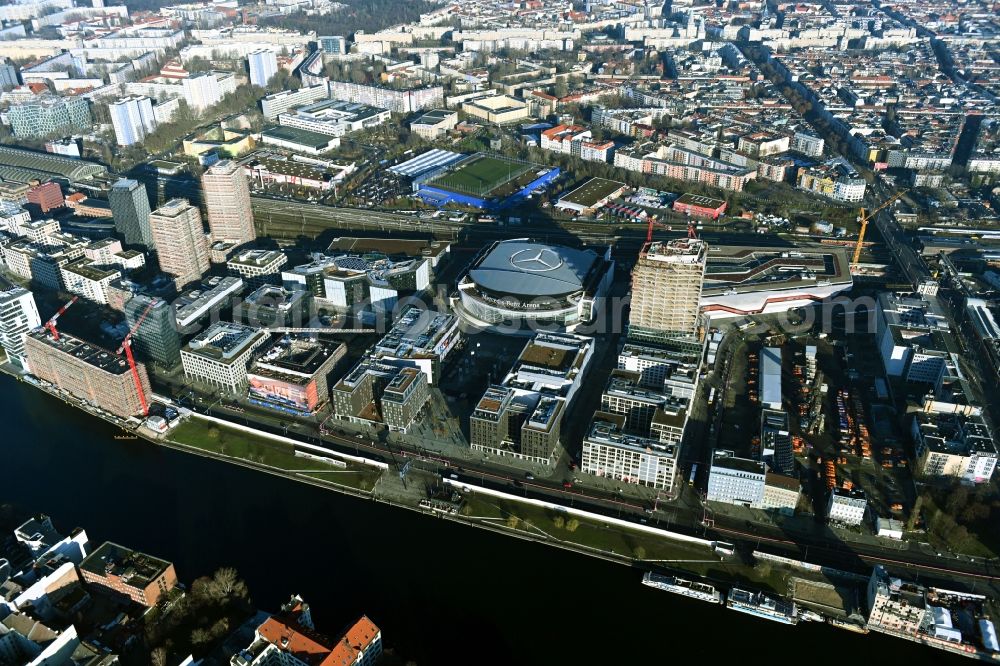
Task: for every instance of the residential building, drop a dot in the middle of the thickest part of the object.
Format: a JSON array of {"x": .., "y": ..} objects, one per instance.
[
  {"x": 836, "y": 179},
  {"x": 895, "y": 605},
  {"x": 735, "y": 480},
  {"x": 291, "y": 374},
  {"x": 953, "y": 445},
  {"x": 47, "y": 114},
  {"x": 132, "y": 118},
  {"x": 87, "y": 372},
  {"x": 847, "y": 506},
  {"x": 781, "y": 493},
  {"x": 87, "y": 279},
  {"x": 403, "y": 398},
  {"x": 219, "y": 356},
  {"x": 489, "y": 422},
  {"x": 206, "y": 89},
  {"x": 274, "y": 105},
  {"x": 666, "y": 290},
  {"x": 18, "y": 315},
  {"x": 577, "y": 141},
  {"x": 396, "y": 100},
  {"x": 611, "y": 453},
  {"x": 180, "y": 241},
  {"x": 130, "y": 209},
  {"x": 227, "y": 199},
  {"x": 263, "y": 65},
  {"x": 127, "y": 573},
  {"x": 156, "y": 339}
]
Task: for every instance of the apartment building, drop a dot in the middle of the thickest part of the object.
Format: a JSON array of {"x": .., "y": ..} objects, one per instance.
[
  {"x": 127, "y": 573},
  {"x": 953, "y": 445},
  {"x": 403, "y": 398},
  {"x": 847, "y": 507}
]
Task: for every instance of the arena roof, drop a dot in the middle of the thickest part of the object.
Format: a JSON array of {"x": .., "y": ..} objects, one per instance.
[
  {"x": 72, "y": 169},
  {"x": 527, "y": 268}
]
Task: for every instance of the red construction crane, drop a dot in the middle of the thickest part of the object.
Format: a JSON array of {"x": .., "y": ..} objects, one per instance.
[
  {"x": 127, "y": 348},
  {"x": 652, "y": 223},
  {"x": 51, "y": 323}
]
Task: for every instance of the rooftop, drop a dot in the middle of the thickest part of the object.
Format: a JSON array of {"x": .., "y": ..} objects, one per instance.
[
  {"x": 224, "y": 341},
  {"x": 135, "y": 569}
]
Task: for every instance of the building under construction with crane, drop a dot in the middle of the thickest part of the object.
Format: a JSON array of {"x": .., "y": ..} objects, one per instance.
[{"x": 88, "y": 372}]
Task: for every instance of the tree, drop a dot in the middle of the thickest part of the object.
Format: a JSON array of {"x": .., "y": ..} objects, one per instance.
[
  {"x": 559, "y": 522},
  {"x": 572, "y": 524},
  {"x": 200, "y": 637},
  {"x": 226, "y": 579},
  {"x": 513, "y": 521},
  {"x": 158, "y": 657},
  {"x": 639, "y": 552}
]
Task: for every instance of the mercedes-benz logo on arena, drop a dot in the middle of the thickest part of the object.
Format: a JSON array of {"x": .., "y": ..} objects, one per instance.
[{"x": 536, "y": 260}]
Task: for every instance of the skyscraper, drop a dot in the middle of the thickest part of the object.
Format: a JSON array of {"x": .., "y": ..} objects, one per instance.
[
  {"x": 130, "y": 209},
  {"x": 227, "y": 198},
  {"x": 18, "y": 315},
  {"x": 132, "y": 118},
  {"x": 666, "y": 290},
  {"x": 156, "y": 338},
  {"x": 263, "y": 65},
  {"x": 180, "y": 241}
]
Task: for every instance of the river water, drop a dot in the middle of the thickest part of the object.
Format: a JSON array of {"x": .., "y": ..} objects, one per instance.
[{"x": 442, "y": 593}]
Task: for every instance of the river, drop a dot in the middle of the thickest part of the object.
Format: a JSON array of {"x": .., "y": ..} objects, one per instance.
[{"x": 442, "y": 593}]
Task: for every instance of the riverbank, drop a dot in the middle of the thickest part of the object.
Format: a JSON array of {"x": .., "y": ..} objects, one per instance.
[{"x": 529, "y": 527}]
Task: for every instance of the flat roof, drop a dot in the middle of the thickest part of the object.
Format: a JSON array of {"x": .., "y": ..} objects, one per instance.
[
  {"x": 136, "y": 569},
  {"x": 299, "y": 136},
  {"x": 592, "y": 192}
]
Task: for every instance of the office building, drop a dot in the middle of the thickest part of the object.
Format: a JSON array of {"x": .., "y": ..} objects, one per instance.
[
  {"x": 129, "y": 574},
  {"x": 421, "y": 339},
  {"x": 257, "y": 267},
  {"x": 205, "y": 300},
  {"x": 87, "y": 372},
  {"x": 736, "y": 480},
  {"x": 227, "y": 199},
  {"x": 291, "y": 374},
  {"x": 263, "y": 65},
  {"x": 781, "y": 493},
  {"x": 219, "y": 356},
  {"x": 274, "y": 105},
  {"x": 132, "y": 118},
  {"x": 46, "y": 196},
  {"x": 333, "y": 44},
  {"x": 666, "y": 290},
  {"x": 180, "y": 241},
  {"x": 434, "y": 124},
  {"x": 156, "y": 340},
  {"x": 85, "y": 278},
  {"x": 130, "y": 209},
  {"x": 272, "y": 306},
  {"x": 488, "y": 424},
  {"x": 911, "y": 337},
  {"x": 18, "y": 315},
  {"x": 847, "y": 507},
  {"x": 609, "y": 452}
]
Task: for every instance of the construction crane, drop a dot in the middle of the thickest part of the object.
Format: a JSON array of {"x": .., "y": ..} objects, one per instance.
[
  {"x": 127, "y": 348},
  {"x": 50, "y": 325},
  {"x": 649, "y": 230},
  {"x": 865, "y": 217}
]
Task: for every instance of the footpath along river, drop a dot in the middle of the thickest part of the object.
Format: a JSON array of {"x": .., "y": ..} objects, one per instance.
[{"x": 443, "y": 593}]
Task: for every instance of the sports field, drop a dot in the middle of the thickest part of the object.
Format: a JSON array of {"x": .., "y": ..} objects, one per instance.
[{"x": 481, "y": 175}]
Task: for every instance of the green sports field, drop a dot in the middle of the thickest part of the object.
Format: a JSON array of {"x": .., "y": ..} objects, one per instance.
[{"x": 481, "y": 175}]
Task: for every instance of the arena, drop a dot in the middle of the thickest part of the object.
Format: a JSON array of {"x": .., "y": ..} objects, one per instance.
[{"x": 524, "y": 282}]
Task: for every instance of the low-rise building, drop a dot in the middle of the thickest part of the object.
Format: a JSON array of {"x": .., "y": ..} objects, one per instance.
[
  {"x": 895, "y": 605},
  {"x": 219, "y": 356},
  {"x": 699, "y": 206},
  {"x": 847, "y": 507},
  {"x": 434, "y": 124},
  {"x": 498, "y": 109},
  {"x": 128, "y": 573}
]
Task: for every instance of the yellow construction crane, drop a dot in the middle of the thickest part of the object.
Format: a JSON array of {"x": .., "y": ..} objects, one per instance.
[{"x": 864, "y": 224}]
